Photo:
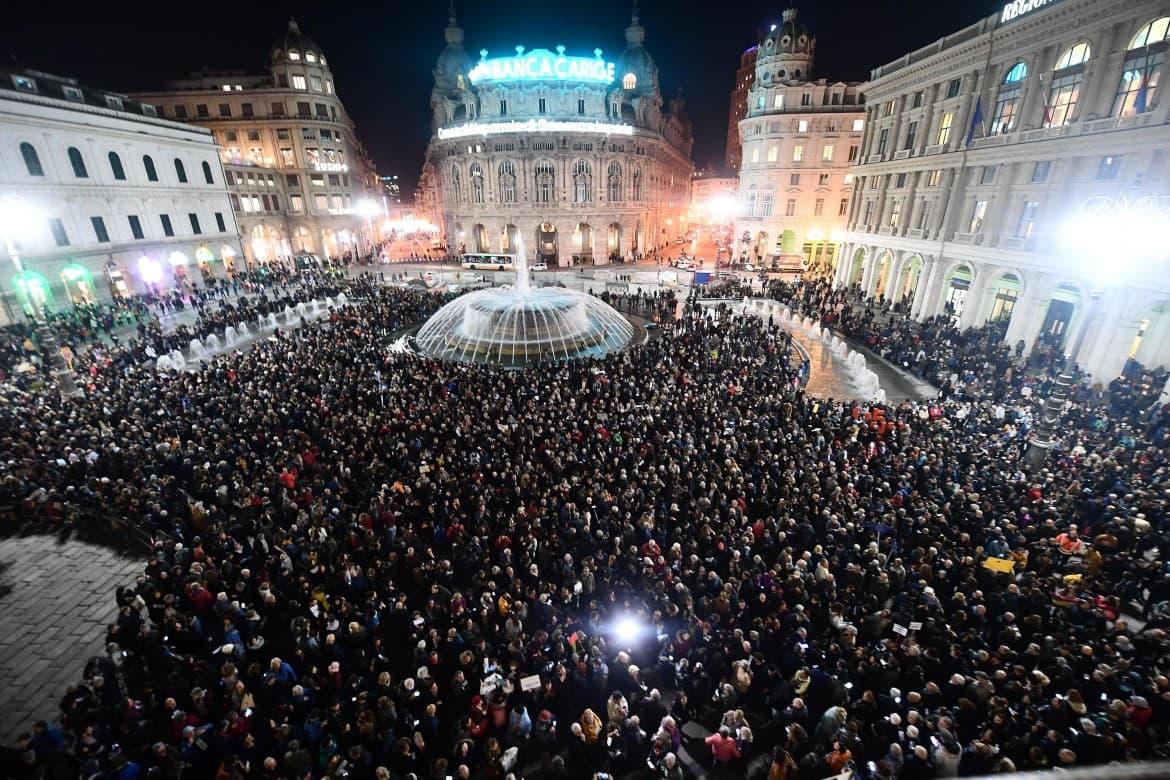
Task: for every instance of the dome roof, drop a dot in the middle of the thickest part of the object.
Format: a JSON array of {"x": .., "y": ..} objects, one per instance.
[
  {"x": 454, "y": 59},
  {"x": 789, "y": 37},
  {"x": 635, "y": 59},
  {"x": 294, "y": 40}
]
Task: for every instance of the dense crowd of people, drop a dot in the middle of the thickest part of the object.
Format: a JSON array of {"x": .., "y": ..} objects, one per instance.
[{"x": 373, "y": 565}]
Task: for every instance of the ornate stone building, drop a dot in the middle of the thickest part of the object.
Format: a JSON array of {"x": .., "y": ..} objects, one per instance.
[
  {"x": 295, "y": 166},
  {"x": 101, "y": 198},
  {"x": 745, "y": 76},
  {"x": 576, "y": 154},
  {"x": 1018, "y": 171},
  {"x": 801, "y": 138}
]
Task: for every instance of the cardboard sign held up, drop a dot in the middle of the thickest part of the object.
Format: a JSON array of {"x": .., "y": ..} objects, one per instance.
[
  {"x": 530, "y": 683},
  {"x": 902, "y": 630},
  {"x": 915, "y": 625},
  {"x": 1004, "y": 565}
]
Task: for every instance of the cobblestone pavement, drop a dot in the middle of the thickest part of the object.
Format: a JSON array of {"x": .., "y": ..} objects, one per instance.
[{"x": 51, "y": 621}]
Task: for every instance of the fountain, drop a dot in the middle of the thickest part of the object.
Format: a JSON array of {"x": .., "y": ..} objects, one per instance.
[{"x": 516, "y": 325}]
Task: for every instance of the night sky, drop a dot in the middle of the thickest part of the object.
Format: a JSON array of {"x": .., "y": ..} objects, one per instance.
[{"x": 382, "y": 54}]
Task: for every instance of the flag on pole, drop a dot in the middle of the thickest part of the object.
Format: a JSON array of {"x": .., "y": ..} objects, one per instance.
[{"x": 976, "y": 120}]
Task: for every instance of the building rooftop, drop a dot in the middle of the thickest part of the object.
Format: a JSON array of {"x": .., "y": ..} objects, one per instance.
[{"x": 47, "y": 85}]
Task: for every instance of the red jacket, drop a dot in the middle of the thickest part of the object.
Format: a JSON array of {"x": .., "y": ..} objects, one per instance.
[{"x": 723, "y": 748}]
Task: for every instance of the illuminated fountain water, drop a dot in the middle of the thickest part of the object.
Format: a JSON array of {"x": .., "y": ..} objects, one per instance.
[{"x": 517, "y": 324}]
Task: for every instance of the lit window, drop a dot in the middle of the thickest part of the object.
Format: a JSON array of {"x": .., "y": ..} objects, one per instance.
[
  {"x": 298, "y": 82},
  {"x": 310, "y": 56},
  {"x": 944, "y": 128},
  {"x": 629, "y": 81},
  {"x": 773, "y": 152},
  {"x": 802, "y": 126},
  {"x": 858, "y": 124},
  {"x": 798, "y": 153},
  {"x": 24, "y": 84},
  {"x": 827, "y": 153},
  {"x": 848, "y": 178},
  {"x": 293, "y": 54},
  {"x": 778, "y": 101}
]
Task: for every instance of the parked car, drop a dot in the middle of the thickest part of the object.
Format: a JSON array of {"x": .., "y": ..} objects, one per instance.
[{"x": 538, "y": 267}]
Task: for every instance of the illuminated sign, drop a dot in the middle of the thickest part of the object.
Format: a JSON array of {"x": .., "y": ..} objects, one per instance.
[
  {"x": 1014, "y": 10},
  {"x": 327, "y": 167},
  {"x": 543, "y": 65},
  {"x": 533, "y": 126}
]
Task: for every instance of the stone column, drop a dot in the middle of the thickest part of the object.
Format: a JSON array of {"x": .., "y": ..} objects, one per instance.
[{"x": 925, "y": 295}]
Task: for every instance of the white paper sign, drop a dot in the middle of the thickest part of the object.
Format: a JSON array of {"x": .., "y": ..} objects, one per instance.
[
  {"x": 901, "y": 630},
  {"x": 915, "y": 625},
  {"x": 530, "y": 683}
]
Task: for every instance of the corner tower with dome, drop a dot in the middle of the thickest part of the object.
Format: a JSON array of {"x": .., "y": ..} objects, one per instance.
[
  {"x": 801, "y": 138},
  {"x": 576, "y": 152},
  {"x": 293, "y": 163}
]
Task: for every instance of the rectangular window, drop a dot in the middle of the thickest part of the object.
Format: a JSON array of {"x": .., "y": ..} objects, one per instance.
[
  {"x": 292, "y": 180},
  {"x": 944, "y": 128},
  {"x": 334, "y": 180},
  {"x": 1040, "y": 171},
  {"x": 253, "y": 135},
  {"x": 230, "y": 136},
  {"x": 794, "y": 180},
  {"x": 853, "y": 151},
  {"x": 180, "y": 112},
  {"x": 858, "y": 124},
  {"x": 848, "y": 178},
  {"x": 298, "y": 81},
  {"x": 135, "y": 226},
  {"x": 315, "y": 83},
  {"x": 194, "y": 223},
  {"x": 773, "y": 152},
  {"x": 790, "y": 208},
  {"x": 868, "y": 213},
  {"x": 541, "y": 105},
  {"x": 917, "y": 101},
  {"x": 755, "y": 154},
  {"x": 303, "y": 110},
  {"x": 296, "y": 204},
  {"x": 287, "y": 159},
  {"x": 843, "y": 207},
  {"x": 580, "y": 106},
  {"x": 308, "y": 134},
  {"x": 322, "y": 110},
  {"x": 802, "y": 126},
  {"x": 317, "y": 181},
  {"x": 778, "y": 101},
  {"x": 60, "y": 237},
  {"x": 888, "y": 108},
  {"x": 895, "y": 213},
  {"x": 924, "y": 216},
  {"x": 321, "y": 203},
  {"x": 74, "y": 94},
  {"x": 977, "y": 215},
  {"x": 798, "y": 153},
  {"x": 276, "y": 203},
  {"x": 225, "y": 110},
  {"x": 751, "y": 205},
  {"x": 987, "y": 175},
  {"x": 503, "y": 108},
  {"x": 201, "y": 110},
  {"x": 911, "y": 135},
  {"x": 246, "y": 110},
  {"x": 827, "y": 153},
  {"x": 900, "y": 182},
  {"x": 883, "y": 139},
  {"x": 934, "y": 177},
  {"x": 283, "y": 134},
  {"x": 819, "y": 207},
  {"x": 1027, "y": 219},
  {"x": 278, "y": 109},
  {"x": 1109, "y": 168},
  {"x": 806, "y": 99},
  {"x": 766, "y": 205},
  {"x": 168, "y": 229},
  {"x": 219, "y": 223},
  {"x": 264, "y": 200},
  {"x": 823, "y": 180},
  {"x": 953, "y": 88},
  {"x": 99, "y": 230}
]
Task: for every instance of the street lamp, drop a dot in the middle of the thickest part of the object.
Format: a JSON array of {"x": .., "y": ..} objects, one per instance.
[
  {"x": 16, "y": 218},
  {"x": 1109, "y": 237}
]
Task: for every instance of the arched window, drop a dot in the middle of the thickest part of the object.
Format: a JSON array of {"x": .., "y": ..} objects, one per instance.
[
  {"x": 456, "y": 184},
  {"x": 1007, "y": 102},
  {"x": 629, "y": 81},
  {"x": 1066, "y": 86},
  {"x": 207, "y": 177},
  {"x": 32, "y": 160},
  {"x": 116, "y": 167},
  {"x": 180, "y": 171},
  {"x": 476, "y": 183},
  {"x": 293, "y": 54},
  {"x": 582, "y": 176},
  {"x": 1142, "y": 68},
  {"x": 637, "y": 184},
  {"x": 78, "y": 163},
  {"x": 545, "y": 182},
  {"x": 507, "y": 181},
  {"x": 614, "y": 183},
  {"x": 148, "y": 164}
]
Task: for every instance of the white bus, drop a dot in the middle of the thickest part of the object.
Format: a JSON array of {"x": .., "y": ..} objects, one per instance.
[{"x": 484, "y": 261}]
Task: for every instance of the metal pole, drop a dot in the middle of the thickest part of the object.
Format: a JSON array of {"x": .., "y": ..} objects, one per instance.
[{"x": 1045, "y": 437}]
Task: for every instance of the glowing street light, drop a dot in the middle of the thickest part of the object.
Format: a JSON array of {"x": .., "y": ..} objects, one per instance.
[{"x": 16, "y": 219}]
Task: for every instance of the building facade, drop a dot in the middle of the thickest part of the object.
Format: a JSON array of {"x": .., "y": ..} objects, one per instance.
[
  {"x": 713, "y": 196},
  {"x": 576, "y": 156},
  {"x": 101, "y": 197},
  {"x": 745, "y": 76},
  {"x": 295, "y": 166},
  {"x": 801, "y": 140},
  {"x": 1018, "y": 171}
]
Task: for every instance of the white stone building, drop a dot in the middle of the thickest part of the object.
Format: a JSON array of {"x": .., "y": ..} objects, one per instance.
[
  {"x": 1018, "y": 171},
  {"x": 112, "y": 198},
  {"x": 800, "y": 138},
  {"x": 295, "y": 166},
  {"x": 575, "y": 154}
]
